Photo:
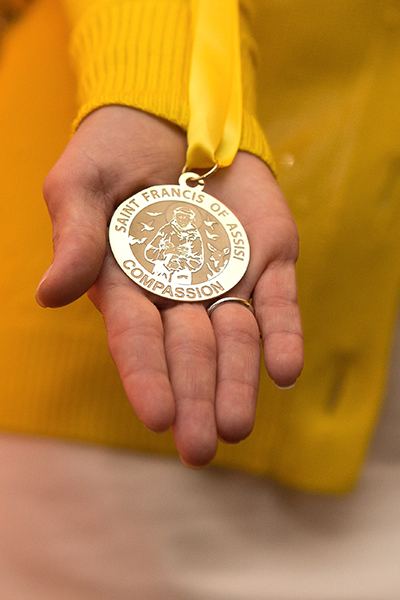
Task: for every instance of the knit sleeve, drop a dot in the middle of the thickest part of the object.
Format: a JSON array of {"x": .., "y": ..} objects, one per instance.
[{"x": 137, "y": 53}]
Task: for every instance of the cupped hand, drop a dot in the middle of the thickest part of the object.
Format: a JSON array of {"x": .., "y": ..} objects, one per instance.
[{"x": 179, "y": 367}]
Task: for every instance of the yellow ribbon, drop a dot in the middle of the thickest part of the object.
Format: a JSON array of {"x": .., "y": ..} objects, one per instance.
[{"x": 215, "y": 88}]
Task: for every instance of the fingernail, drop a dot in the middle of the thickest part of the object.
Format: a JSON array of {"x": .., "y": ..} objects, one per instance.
[
  {"x": 148, "y": 429},
  {"x": 188, "y": 465},
  {"x": 285, "y": 387},
  {"x": 37, "y": 295},
  {"x": 157, "y": 432}
]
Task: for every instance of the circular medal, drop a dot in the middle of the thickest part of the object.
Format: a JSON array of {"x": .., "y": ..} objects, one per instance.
[{"x": 179, "y": 242}]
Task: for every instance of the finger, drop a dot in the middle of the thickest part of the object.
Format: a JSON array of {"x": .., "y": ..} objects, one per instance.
[
  {"x": 191, "y": 356},
  {"x": 278, "y": 315},
  {"x": 136, "y": 343},
  {"x": 238, "y": 348},
  {"x": 79, "y": 237}
]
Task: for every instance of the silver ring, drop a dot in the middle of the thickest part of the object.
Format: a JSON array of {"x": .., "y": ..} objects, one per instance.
[{"x": 221, "y": 301}]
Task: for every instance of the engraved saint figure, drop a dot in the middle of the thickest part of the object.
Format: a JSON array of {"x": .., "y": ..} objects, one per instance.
[{"x": 177, "y": 248}]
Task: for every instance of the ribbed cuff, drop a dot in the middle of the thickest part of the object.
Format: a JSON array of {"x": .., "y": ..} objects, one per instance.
[
  {"x": 253, "y": 140},
  {"x": 137, "y": 53}
]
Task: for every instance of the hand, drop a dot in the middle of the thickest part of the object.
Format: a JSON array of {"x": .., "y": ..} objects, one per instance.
[{"x": 179, "y": 368}]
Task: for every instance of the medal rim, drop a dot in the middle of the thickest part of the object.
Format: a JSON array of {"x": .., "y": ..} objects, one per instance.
[{"x": 122, "y": 252}]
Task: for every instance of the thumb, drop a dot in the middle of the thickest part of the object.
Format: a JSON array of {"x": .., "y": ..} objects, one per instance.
[{"x": 79, "y": 238}]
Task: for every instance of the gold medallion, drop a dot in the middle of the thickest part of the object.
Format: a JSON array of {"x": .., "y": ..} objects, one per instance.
[{"x": 179, "y": 242}]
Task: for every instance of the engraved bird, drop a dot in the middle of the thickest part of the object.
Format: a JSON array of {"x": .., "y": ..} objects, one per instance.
[
  {"x": 147, "y": 227},
  {"x": 210, "y": 224},
  {"x": 211, "y": 236},
  {"x": 133, "y": 241},
  {"x": 154, "y": 214}
]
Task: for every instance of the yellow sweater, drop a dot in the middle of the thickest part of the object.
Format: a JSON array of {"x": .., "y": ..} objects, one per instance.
[{"x": 328, "y": 87}]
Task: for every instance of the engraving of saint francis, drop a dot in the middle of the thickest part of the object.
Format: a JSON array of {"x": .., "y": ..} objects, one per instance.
[{"x": 177, "y": 248}]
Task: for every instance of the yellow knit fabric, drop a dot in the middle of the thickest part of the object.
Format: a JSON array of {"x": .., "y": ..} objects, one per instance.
[
  {"x": 139, "y": 53},
  {"x": 331, "y": 113}
]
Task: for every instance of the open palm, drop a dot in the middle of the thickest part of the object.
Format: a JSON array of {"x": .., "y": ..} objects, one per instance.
[{"x": 179, "y": 368}]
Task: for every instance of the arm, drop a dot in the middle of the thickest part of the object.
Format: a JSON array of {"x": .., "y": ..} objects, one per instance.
[{"x": 179, "y": 368}]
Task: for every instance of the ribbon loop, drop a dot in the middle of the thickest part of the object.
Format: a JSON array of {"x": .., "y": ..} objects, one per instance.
[{"x": 215, "y": 90}]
